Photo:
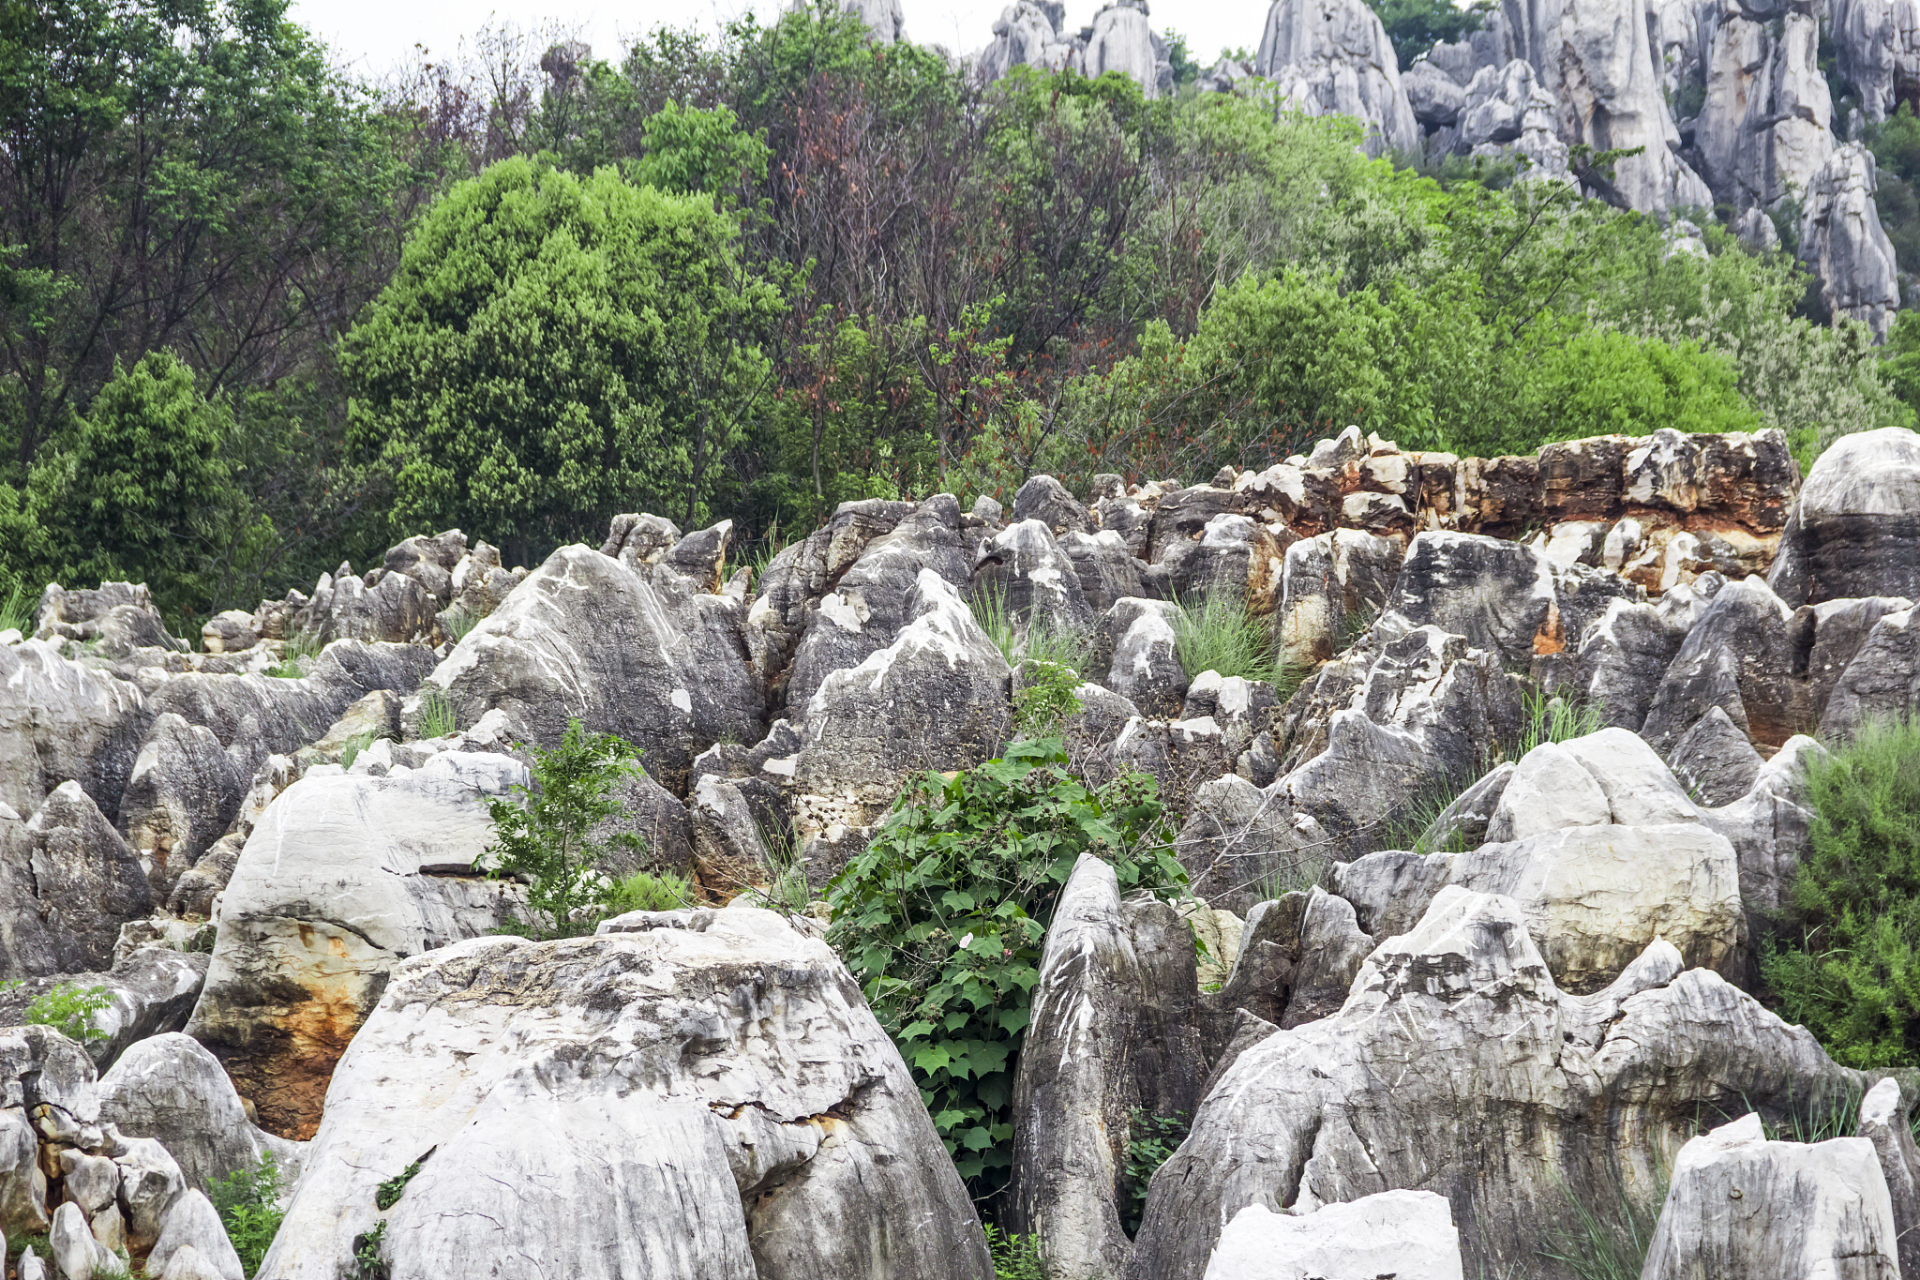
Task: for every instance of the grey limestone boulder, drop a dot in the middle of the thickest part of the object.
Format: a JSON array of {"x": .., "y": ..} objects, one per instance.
[
  {"x": 150, "y": 990},
  {"x": 1120, "y": 40},
  {"x": 866, "y": 608},
  {"x": 936, "y": 698},
  {"x": 633, "y": 651},
  {"x": 1107, "y": 570},
  {"x": 1332, "y": 587},
  {"x": 885, "y": 23},
  {"x": 1026, "y": 34},
  {"x": 1025, "y": 573},
  {"x": 1112, "y": 1029},
  {"x": 799, "y": 577},
  {"x": 1855, "y": 529},
  {"x": 711, "y": 1082},
  {"x": 1715, "y": 761},
  {"x": 192, "y": 1225},
  {"x": 1766, "y": 126},
  {"x": 170, "y": 1089},
  {"x": 70, "y": 883},
  {"x": 343, "y": 877},
  {"x": 182, "y": 796},
  {"x": 1877, "y": 46},
  {"x": 1390, "y": 1233},
  {"x": 1881, "y": 683},
  {"x": 61, "y": 720},
  {"x": 1743, "y": 1205},
  {"x": 1047, "y": 500},
  {"x": 1735, "y": 658},
  {"x": 1450, "y": 1033},
  {"x": 1139, "y": 645}
]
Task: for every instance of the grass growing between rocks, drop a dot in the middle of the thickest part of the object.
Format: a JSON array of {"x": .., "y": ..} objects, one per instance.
[
  {"x": 1844, "y": 958},
  {"x": 16, "y": 611},
  {"x": 1015, "y": 1257},
  {"x": 1046, "y": 641},
  {"x": 436, "y": 718},
  {"x": 1608, "y": 1240},
  {"x": 248, "y": 1202},
  {"x": 1220, "y": 635}
]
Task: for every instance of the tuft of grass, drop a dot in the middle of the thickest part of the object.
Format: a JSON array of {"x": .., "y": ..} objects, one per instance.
[
  {"x": 649, "y": 891},
  {"x": 990, "y": 611},
  {"x": 459, "y": 624},
  {"x": 350, "y": 751},
  {"x": 1554, "y": 718},
  {"x": 300, "y": 649},
  {"x": 1608, "y": 1240},
  {"x": 1220, "y": 635},
  {"x": 1047, "y": 641},
  {"x": 437, "y": 718},
  {"x": 16, "y": 611}
]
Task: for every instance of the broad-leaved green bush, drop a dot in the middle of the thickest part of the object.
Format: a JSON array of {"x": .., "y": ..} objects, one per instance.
[
  {"x": 553, "y": 349},
  {"x": 1845, "y": 958},
  {"x": 248, "y": 1202},
  {"x": 942, "y": 919}
]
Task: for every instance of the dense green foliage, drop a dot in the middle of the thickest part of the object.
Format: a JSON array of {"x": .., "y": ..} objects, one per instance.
[
  {"x": 757, "y": 273},
  {"x": 1845, "y": 960},
  {"x": 1151, "y": 1140},
  {"x": 546, "y": 834},
  {"x": 248, "y": 1202},
  {"x": 941, "y": 920},
  {"x": 553, "y": 350},
  {"x": 68, "y": 1008}
]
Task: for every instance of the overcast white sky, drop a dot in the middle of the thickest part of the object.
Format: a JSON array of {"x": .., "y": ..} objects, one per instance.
[{"x": 376, "y": 35}]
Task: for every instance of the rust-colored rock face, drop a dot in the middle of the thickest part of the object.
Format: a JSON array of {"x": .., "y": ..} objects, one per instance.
[{"x": 1659, "y": 510}]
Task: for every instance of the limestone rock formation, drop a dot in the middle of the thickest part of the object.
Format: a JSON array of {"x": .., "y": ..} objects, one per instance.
[
  {"x": 1027, "y": 34},
  {"x": 1742, "y": 1205},
  {"x": 710, "y": 1082},
  {"x": 1611, "y": 96},
  {"x": 1120, "y": 40},
  {"x": 1843, "y": 243},
  {"x": 343, "y": 878},
  {"x": 63, "y": 721},
  {"x": 1876, "y": 45},
  {"x": 1855, "y": 530},
  {"x": 1766, "y": 129},
  {"x": 1390, "y": 1233},
  {"x": 639, "y": 652},
  {"x": 883, "y": 18},
  {"x": 69, "y": 882},
  {"x": 171, "y": 1089},
  {"x": 1453, "y": 1032},
  {"x": 1332, "y": 57}
]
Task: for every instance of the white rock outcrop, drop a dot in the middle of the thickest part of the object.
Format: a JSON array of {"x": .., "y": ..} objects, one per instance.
[
  {"x": 1406, "y": 1234},
  {"x": 1842, "y": 240},
  {"x": 1332, "y": 57},
  {"x": 696, "y": 1093}
]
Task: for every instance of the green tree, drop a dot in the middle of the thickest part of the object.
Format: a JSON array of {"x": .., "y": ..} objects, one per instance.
[
  {"x": 1415, "y": 26},
  {"x": 1845, "y": 962},
  {"x": 554, "y": 349},
  {"x": 545, "y": 833},
  {"x": 146, "y": 491}
]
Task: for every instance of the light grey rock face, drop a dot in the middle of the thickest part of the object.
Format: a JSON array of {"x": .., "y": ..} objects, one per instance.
[
  {"x": 170, "y": 1089},
  {"x": 1843, "y": 243},
  {"x": 1880, "y": 683},
  {"x": 1715, "y": 761},
  {"x": 1106, "y": 569},
  {"x": 1436, "y": 97},
  {"x": 1767, "y": 126},
  {"x": 60, "y": 720},
  {"x": 1883, "y": 1122},
  {"x": 1741, "y": 1205},
  {"x": 629, "y": 651},
  {"x": 151, "y": 990},
  {"x": 1770, "y": 825},
  {"x": 1031, "y": 579},
  {"x": 936, "y": 698},
  {"x": 71, "y": 1248},
  {"x": 1144, "y": 664},
  {"x": 193, "y": 1225},
  {"x": 1624, "y": 655},
  {"x": 396, "y": 608},
  {"x": 1045, "y": 499},
  {"x": 1601, "y": 851},
  {"x": 1734, "y": 658},
  {"x": 343, "y": 877},
  {"x": 182, "y": 796},
  {"x": 69, "y": 883},
  {"x": 801, "y": 576},
  {"x": 1390, "y": 1233},
  {"x": 1120, "y": 40},
  {"x": 1235, "y": 559},
  {"x": 867, "y": 607},
  {"x": 883, "y": 18},
  {"x": 1505, "y": 597},
  {"x": 1112, "y": 1029},
  {"x": 711, "y": 1082},
  {"x": 1332, "y": 57},
  {"x": 1825, "y": 639},
  {"x": 1877, "y": 46},
  {"x": 47, "y": 1091},
  {"x": 1025, "y": 35},
  {"x": 1455, "y": 1031},
  {"x": 1855, "y": 530},
  {"x": 1611, "y": 96},
  {"x": 1506, "y": 110}
]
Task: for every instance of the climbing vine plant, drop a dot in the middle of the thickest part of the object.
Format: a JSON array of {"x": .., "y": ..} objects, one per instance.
[{"x": 942, "y": 918}]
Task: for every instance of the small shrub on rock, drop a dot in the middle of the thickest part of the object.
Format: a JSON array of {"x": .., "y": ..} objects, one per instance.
[
  {"x": 1845, "y": 962},
  {"x": 248, "y": 1202},
  {"x": 544, "y": 833},
  {"x": 942, "y": 919}
]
